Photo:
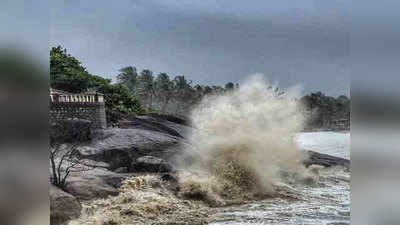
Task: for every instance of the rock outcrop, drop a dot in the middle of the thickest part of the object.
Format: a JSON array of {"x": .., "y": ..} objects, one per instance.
[
  {"x": 146, "y": 144},
  {"x": 160, "y": 123},
  {"x": 151, "y": 164},
  {"x": 63, "y": 206},
  {"x": 143, "y": 136},
  {"x": 325, "y": 160},
  {"x": 95, "y": 183}
]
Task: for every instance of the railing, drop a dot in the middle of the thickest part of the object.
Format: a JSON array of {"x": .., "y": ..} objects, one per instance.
[{"x": 56, "y": 97}]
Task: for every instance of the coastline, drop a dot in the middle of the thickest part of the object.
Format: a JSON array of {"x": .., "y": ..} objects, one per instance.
[{"x": 107, "y": 193}]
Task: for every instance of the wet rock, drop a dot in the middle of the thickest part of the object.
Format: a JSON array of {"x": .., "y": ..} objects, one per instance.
[
  {"x": 93, "y": 184},
  {"x": 182, "y": 120},
  {"x": 120, "y": 147},
  {"x": 63, "y": 206},
  {"x": 121, "y": 170},
  {"x": 183, "y": 130},
  {"x": 155, "y": 135},
  {"x": 94, "y": 164},
  {"x": 325, "y": 160},
  {"x": 151, "y": 164},
  {"x": 152, "y": 124},
  {"x": 161, "y": 123}
]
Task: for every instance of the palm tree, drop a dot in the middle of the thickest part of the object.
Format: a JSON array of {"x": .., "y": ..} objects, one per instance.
[
  {"x": 145, "y": 87},
  {"x": 163, "y": 89},
  {"x": 128, "y": 77}
]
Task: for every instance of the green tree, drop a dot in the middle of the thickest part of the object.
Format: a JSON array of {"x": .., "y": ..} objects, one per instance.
[
  {"x": 128, "y": 77},
  {"x": 68, "y": 74},
  {"x": 184, "y": 94},
  {"x": 181, "y": 83},
  {"x": 163, "y": 90},
  {"x": 229, "y": 86},
  {"x": 119, "y": 102},
  {"x": 324, "y": 108},
  {"x": 207, "y": 90},
  {"x": 145, "y": 87},
  {"x": 217, "y": 90}
]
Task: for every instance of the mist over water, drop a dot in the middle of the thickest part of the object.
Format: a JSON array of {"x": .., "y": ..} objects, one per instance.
[
  {"x": 243, "y": 141},
  {"x": 244, "y": 137}
]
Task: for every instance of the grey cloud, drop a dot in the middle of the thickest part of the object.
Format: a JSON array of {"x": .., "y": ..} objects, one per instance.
[{"x": 305, "y": 44}]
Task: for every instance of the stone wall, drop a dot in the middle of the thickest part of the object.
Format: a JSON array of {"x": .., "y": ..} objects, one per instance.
[{"x": 93, "y": 111}]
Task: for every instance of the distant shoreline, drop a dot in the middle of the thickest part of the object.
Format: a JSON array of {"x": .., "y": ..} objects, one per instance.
[{"x": 325, "y": 130}]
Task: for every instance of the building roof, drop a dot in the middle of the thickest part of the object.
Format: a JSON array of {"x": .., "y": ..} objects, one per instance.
[
  {"x": 60, "y": 92},
  {"x": 55, "y": 91}
]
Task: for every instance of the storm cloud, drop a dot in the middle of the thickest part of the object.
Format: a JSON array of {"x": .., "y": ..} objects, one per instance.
[{"x": 302, "y": 43}]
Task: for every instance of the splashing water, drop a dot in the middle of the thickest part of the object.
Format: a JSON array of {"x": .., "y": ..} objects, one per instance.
[
  {"x": 243, "y": 139},
  {"x": 245, "y": 136}
]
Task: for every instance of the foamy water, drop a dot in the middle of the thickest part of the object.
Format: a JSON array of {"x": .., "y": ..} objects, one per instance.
[
  {"x": 328, "y": 203},
  {"x": 246, "y": 148}
]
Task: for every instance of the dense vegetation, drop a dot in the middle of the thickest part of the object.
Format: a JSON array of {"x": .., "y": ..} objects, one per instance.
[
  {"x": 68, "y": 74},
  {"x": 324, "y": 109},
  {"x": 140, "y": 92},
  {"x": 163, "y": 94},
  {"x": 134, "y": 92}
]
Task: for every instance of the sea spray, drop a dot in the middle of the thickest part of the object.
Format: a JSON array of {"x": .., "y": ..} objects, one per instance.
[
  {"x": 242, "y": 140},
  {"x": 143, "y": 200},
  {"x": 244, "y": 137}
]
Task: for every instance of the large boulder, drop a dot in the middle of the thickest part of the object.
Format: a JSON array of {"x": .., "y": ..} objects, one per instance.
[
  {"x": 63, "y": 206},
  {"x": 182, "y": 120},
  {"x": 121, "y": 147},
  {"x": 121, "y": 170},
  {"x": 160, "y": 123},
  {"x": 316, "y": 158},
  {"x": 151, "y": 164},
  {"x": 94, "y": 183}
]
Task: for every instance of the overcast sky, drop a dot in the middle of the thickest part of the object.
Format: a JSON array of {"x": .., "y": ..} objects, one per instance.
[{"x": 292, "y": 42}]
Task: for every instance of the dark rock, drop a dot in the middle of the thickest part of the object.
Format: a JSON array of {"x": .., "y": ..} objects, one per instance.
[
  {"x": 183, "y": 130},
  {"x": 63, "y": 206},
  {"x": 121, "y": 170},
  {"x": 95, "y": 183},
  {"x": 147, "y": 124},
  {"x": 120, "y": 147},
  {"x": 174, "y": 119},
  {"x": 151, "y": 164},
  {"x": 156, "y": 124},
  {"x": 73, "y": 130},
  {"x": 88, "y": 163},
  {"x": 120, "y": 150},
  {"x": 325, "y": 160}
]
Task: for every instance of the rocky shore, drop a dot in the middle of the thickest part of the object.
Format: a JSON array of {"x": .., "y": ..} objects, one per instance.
[{"x": 143, "y": 146}]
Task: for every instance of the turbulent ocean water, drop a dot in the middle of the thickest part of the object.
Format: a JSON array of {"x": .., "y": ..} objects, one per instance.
[
  {"x": 327, "y": 202},
  {"x": 244, "y": 168}
]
